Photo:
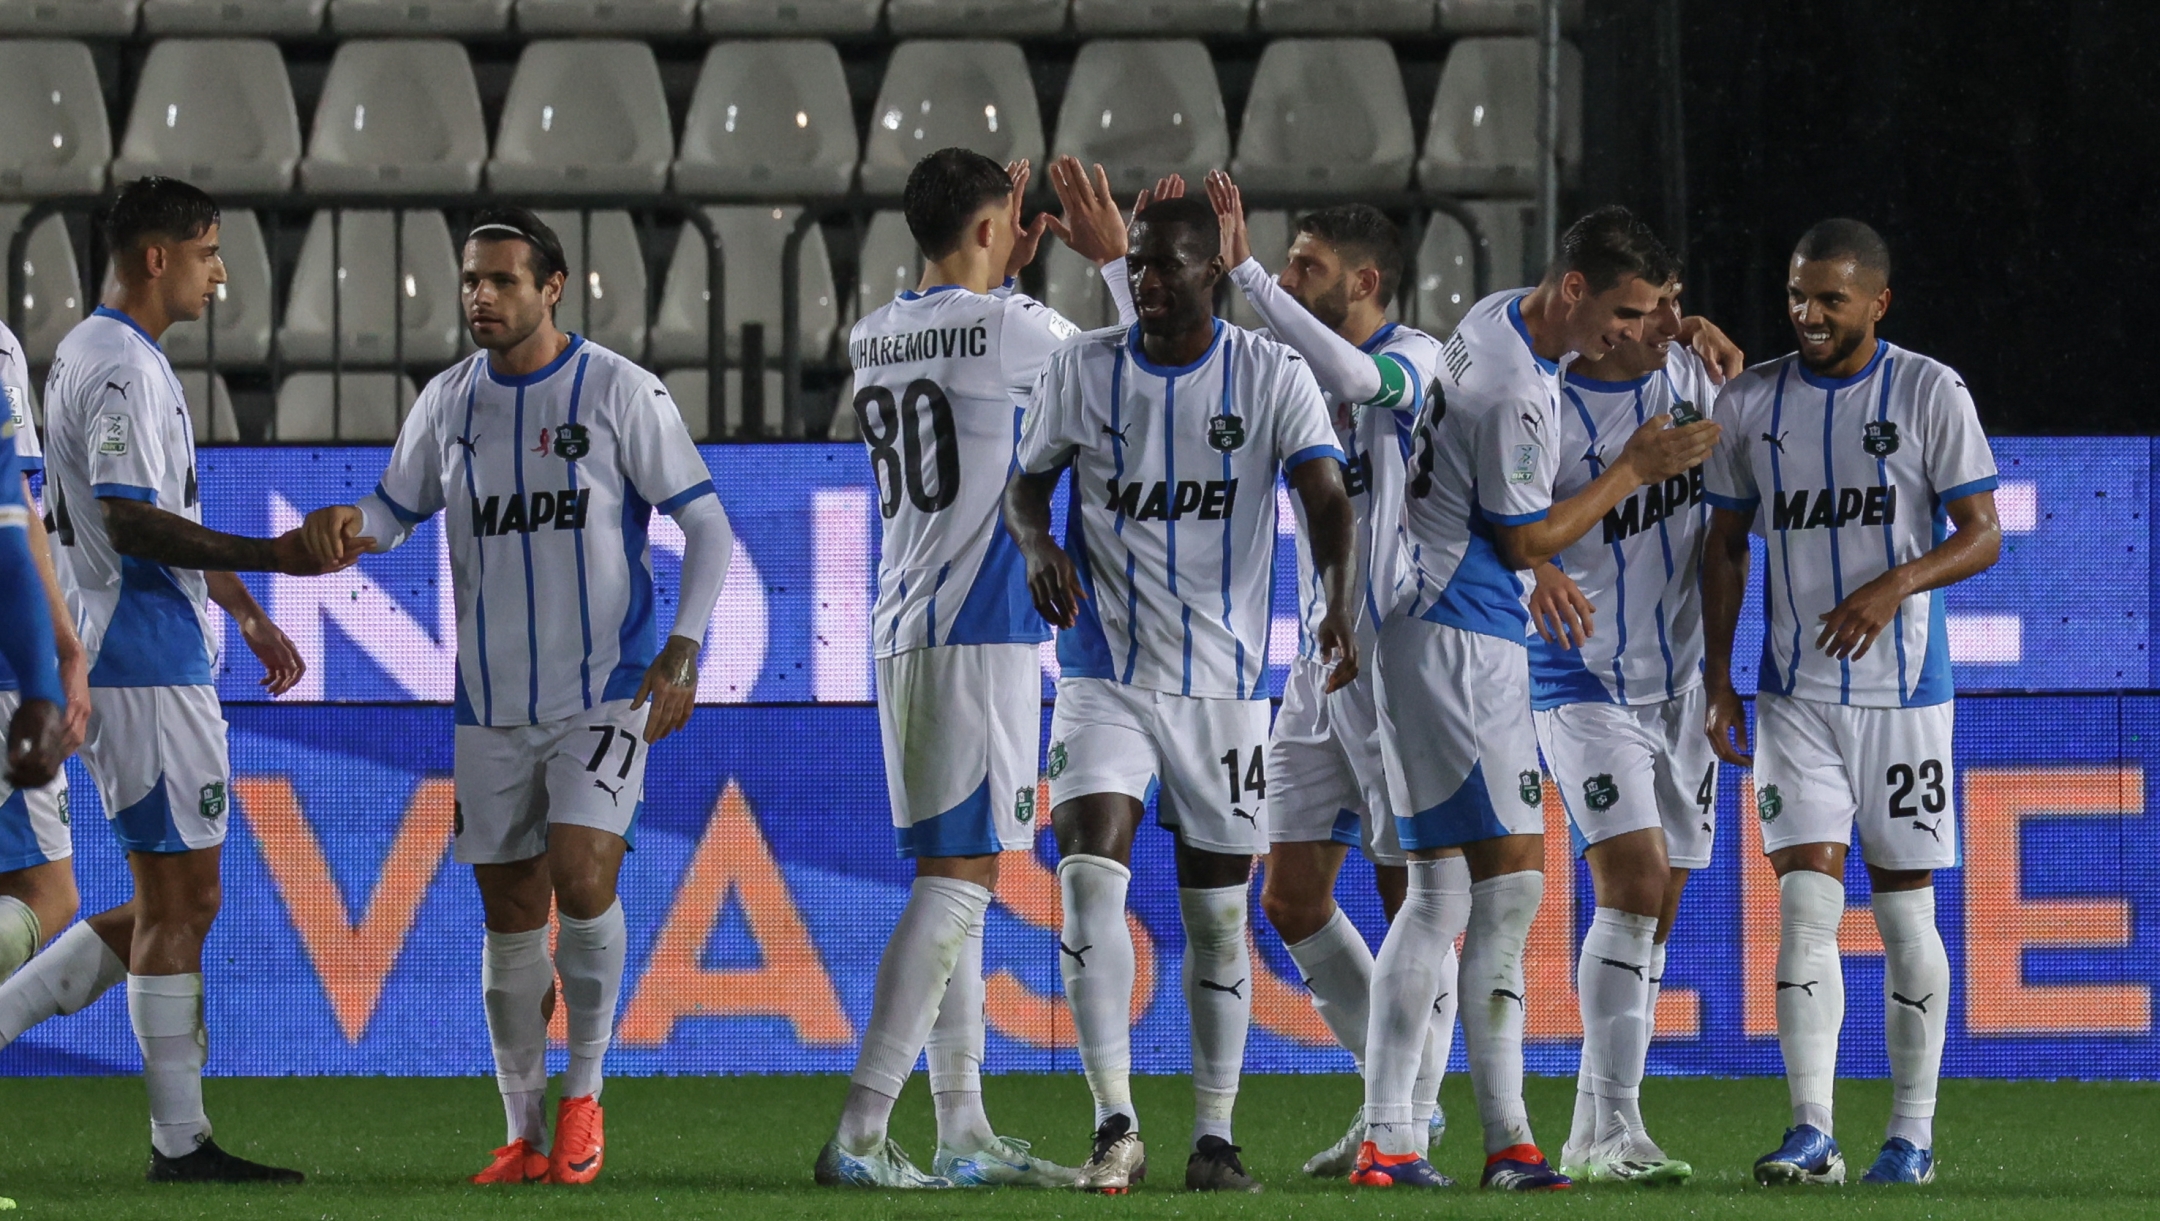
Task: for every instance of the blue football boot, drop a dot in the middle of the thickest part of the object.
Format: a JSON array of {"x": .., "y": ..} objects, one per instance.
[
  {"x": 1900, "y": 1162},
  {"x": 1807, "y": 1156}
]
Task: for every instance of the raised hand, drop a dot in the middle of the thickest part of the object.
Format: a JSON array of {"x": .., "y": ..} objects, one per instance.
[
  {"x": 1092, "y": 224},
  {"x": 1026, "y": 238},
  {"x": 1229, "y": 205}
]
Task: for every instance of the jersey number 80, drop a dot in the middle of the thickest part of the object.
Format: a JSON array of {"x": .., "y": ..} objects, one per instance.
[{"x": 896, "y": 445}]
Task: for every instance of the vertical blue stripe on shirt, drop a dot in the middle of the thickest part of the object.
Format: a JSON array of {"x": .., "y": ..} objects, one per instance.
[
  {"x": 584, "y": 599},
  {"x": 532, "y": 606},
  {"x": 930, "y": 612},
  {"x": 472, "y": 488},
  {"x": 1169, "y": 424},
  {"x": 1117, "y": 526},
  {"x": 1664, "y": 634},
  {"x": 1837, "y": 572},
  {"x": 1228, "y": 521},
  {"x": 1882, "y": 476},
  {"x": 1597, "y": 467},
  {"x": 1777, "y": 489}
]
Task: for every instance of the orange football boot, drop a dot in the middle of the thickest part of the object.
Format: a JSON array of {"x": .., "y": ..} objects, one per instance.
[
  {"x": 579, "y": 1141},
  {"x": 516, "y": 1162}
]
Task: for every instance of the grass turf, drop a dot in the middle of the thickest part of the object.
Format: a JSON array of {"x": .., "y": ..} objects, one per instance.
[{"x": 742, "y": 1147}]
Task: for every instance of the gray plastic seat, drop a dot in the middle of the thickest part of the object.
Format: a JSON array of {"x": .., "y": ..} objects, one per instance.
[
  {"x": 789, "y": 16},
  {"x": 912, "y": 17},
  {"x": 1074, "y": 287},
  {"x": 1161, "y": 16},
  {"x": 1344, "y": 16},
  {"x": 687, "y": 388},
  {"x": 243, "y": 301},
  {"x": 606, "y": 16},
  {"x": 210, "y": 409},
  {"x": 1269, "y": 233},
  {"x": 1446, "y": 285},
  {"x": 399, "y": 115},
  {"x": 1503, "y": 16},
  {"x": 604, "y": 296},
  {"x": 583, "y": 116},
  {"x": 88, "y": 18},
  {"x": 1507, "y": 225},
  {"x": 367, "y": 310},
  {"x": 1143, "y": 110},
  {"x": 889, "y": 262},
  {"x": 215, "y": 111},
  {"x": 769, "y": 118},
  {"x": 751, "y": 239},
  {"x": 342, "y": 407},
  {"x": 937, "y": 94},
  {"x": 53, "y": 296},
  {"x": 1326, "y": 114},
  {"x": 350, "y": 17},
  {"x": 169, "y": 17},
  {"x": 1482, "y": 139},
  {"x": 53, "y": 136}
]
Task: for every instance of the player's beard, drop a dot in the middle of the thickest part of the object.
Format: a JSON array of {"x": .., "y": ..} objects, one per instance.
[
  {"x": 507, "y": 338},
  {"x": 1848, "y": 342},
  {"x": 1331, "y": 307}
]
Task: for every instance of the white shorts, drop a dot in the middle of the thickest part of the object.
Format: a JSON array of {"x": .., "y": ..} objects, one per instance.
[
  {"x": 1455, "y": 725},
  {"x": 1325, "y": 777},
  {"x": 962, "y": 726},
  {"x": 1623, "y": 768},
  {"x": 159, "y": 758},
  {"x": 33, "y": 822},
  {"x": 1819, "y": 768},
  {"x": 512, "y": 783},
  {"x": 1208, "y": 757}
]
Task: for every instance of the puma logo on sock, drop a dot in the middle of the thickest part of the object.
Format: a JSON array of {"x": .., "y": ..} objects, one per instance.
[
  {"x": 1625, "y": 966},
  {"x": 1232, "y": 989},
  {"x": 1808, "y": 987},
  {"x": 1909, "y": 1002},
  {"x": 1077, "y": 955},
  {"x": 1504, "y": 994},
  {"x": 1439, "y": 1001}
]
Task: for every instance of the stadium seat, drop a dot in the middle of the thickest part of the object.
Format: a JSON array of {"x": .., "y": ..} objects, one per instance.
[
  {"x": 1073, "y": 287},
  {"x": 888, "y": 263},
  {"x": 751, "y": 240},
  {"x": 1446, "y": 285},
  {"x": 1326, "y": 114},
  {"x": 1161, "y": 16},
  {"x": 217, "y": 112},
  {"x": 960, "y": 17},
  {"x": 53, "y": 300},
  {"x": 1144, "y": 109},
  {"x": 971, "y": 93},
  {"x": 86, "y": 18},
  {"x": 604, "y": 299},
  {"x": 1503, "y": 16},
  {"x": 358, "y": 407},
  {"x": 606, "y": 16},
  {"x": 1482, "y": 139},
  {"x": 348, "y": 17},
  {"x": 53, "y": 136},
  {"x": 1344, "y": 16},
  {"x": 1506, "y": 225},
  {"x": 168, "y": 17},
  {"x": 1269, "y": 233},
  {"x": 687, "y": 388},
  {"x": 243, "y": 301},
  {"x": 210, "y": 408},
  {"x": 789, "y": 16},
  {"x": 583, "y": 116},
  {"x": 397, "y": 115},
  {"x": 366, "y": 310},
  {"x": 769, "y": 118}
]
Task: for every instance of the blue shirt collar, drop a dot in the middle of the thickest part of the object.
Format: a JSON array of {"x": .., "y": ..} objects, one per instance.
[
  {"x": 1139, "y": 353},
  {"x": 1514, "y": 315},
  {"x": 1378, "y": 337},
  {"x": 538, "y": 375},
  {"x": 1839, "y": 383},
  {"x": 909, "y": 294},
  {"x": 1597, "y": 387},
  {"x": 106, "y": 311}
]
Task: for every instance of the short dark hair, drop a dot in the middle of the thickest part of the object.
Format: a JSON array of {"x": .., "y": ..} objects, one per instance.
[
  {"x": 1362, "y": 232},
  {"x": 1193, "y": 212},
  {"x": 944, "y": 192},
  {"x": 1844, "y": 237},
  {"x": 1611, "y": 245},
  {"x": 157, "y": 207},
  {"x": 509, "y": 223}
]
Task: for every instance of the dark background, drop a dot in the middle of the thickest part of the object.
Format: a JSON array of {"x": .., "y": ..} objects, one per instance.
[{"x": 2009, "y": 150}]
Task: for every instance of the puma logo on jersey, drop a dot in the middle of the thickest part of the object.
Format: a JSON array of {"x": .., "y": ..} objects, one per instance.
[
  {"x": 1119, "y": 433},
  {"x": 122, "y": 387},
  {"x": 1816, "y": 508},
  {"x": 1653, "y": 504},
  {"x": 1535, "y": 424},
  {"x": 1211, "y": 500},
  {"x": 1777, "y": 442},
  {"x": 467, "y": 443},
  {"x": 516, "y": 514},
  {"x": 1235, "y": 989},
  {"x": 614, "y": 794}
]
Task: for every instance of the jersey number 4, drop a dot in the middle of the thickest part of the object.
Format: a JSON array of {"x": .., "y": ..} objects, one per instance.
[{"x": 893, "y": 432}]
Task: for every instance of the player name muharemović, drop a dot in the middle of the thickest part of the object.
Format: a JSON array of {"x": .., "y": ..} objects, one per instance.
[{"x": 945, "y": 342}]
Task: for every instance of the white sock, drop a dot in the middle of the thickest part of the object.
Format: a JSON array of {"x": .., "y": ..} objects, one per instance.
[
  {"x": 1612, "y": 979},
  {"x": 1657, "y": 981},
  {"x": 911, "y": 981},
  {"x": 1439, "y": 1042},
  {"x": 1337, "y": 966},
  {"x": 515, "y": 976},
  {"x": 1501, "y": 909},
  {"x": 1218, "y": 995},
  {"x": 955, "y": 1052},
  {"x": 1810, "y": 990},
  {"x": 1405, "y": 984},
  {"x": 1095, "y": 954},
  {"x": 589, "y": 957},
  {"x": 77, "y": 968},
  {"x": 20, "y": 933},
  {"x": 167, "y": 1014},
  {"x": 1584, "y": 1132},
  {"x": 1916, "y": 1008}
]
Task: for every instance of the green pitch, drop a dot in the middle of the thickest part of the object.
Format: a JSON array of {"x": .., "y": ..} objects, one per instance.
[{"x": 742, "y": 1147}]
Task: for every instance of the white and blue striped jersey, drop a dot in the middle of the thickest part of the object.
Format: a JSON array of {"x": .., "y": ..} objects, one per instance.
[
  {"x": 28, "y": 457},
  {"x": 547, "y": 484},
  {"x": 117, "y": 427},
  {"x": 941, "y": 381},
  {"x": 1484, "y": 451},
  {"x": 1846, "y": 479},
  {"x": 1376, "y": 439},
  {"x": 1172, "y": 524},
  {"x": 1638, "y": 567}
]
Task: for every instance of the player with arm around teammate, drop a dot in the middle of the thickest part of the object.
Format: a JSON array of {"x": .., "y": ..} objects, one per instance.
[
  {"x": 1175, "y": 431},
  {"x": 547, "y": 454},
  {"x": 1864, "y": 469},
  {"x": 942, "y": 374}
]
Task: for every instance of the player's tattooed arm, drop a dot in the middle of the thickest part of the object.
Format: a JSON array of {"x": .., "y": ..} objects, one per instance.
[
  {"x": 671, "y": 684},
  {"x": 1332, "y": 527},
  {"x": 280, "y": 657},
  {"x": 1850, "y": 628},
  {"x": 145, "y": 532},
  {"x": 1724, "y": 584},
  {"x": 1053, "y": 581}
]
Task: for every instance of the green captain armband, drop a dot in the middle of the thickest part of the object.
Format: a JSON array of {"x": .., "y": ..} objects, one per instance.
[{"x": 1395, "y": 388}]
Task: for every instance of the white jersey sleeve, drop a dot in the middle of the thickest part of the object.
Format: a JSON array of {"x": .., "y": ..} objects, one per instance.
[
  {"x": 411, "y": 490},
  {"x": 654, "y": 447},
  {"x": 1517, "y": 459},
  {"x": 1959, "y": 462},
  {"x": 1055, "y": 424},
  {"x": 15, "y": 391},
  {"x": 1301, "y": 428},
  {"x": 1031, "y": 333},
  {"x": 1729, "y": 472}
]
